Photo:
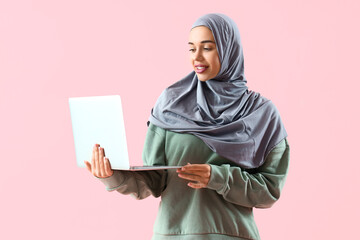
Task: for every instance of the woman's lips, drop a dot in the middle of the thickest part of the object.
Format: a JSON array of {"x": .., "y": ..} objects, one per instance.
[{"x": 200, "y": 68}]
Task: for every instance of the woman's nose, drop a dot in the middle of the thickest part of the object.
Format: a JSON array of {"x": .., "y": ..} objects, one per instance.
[{"x": 198, "y": 56}]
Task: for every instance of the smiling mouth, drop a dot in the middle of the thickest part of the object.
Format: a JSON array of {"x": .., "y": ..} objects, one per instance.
[{"x": 200, "y": 68}]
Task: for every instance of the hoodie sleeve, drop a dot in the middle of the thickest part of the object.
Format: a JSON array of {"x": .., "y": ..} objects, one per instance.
[
  {"x": 259, "y": 187},
  {"x": 141, "y": 184}
]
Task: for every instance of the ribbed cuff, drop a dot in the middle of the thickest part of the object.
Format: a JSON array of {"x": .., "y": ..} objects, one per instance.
[
  {"x": 217, "y": 178},
  {"x": 114, "y": 181}
]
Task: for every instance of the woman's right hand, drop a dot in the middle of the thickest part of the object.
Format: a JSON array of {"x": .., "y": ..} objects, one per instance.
[{"x": 99, "y": 166}]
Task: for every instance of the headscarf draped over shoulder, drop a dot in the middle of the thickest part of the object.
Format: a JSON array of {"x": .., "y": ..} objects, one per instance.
[{"x": 236, "y": 123}]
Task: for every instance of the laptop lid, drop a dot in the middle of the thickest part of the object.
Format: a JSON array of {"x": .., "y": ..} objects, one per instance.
[{"x": 99, "y": 119}]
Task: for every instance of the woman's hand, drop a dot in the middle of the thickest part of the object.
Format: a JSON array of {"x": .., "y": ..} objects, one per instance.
[
  {"x": 198, "y": 174},
  {"x": 99, "y": 166}
]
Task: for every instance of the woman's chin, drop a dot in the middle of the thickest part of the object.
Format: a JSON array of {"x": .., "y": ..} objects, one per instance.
[{"x": 202, "y": 78}]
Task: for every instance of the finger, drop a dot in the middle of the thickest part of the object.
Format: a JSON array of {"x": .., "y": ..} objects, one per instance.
[
  {"x": 195, "y": 172},
  {"x": 97, "y": 169},
  {"x": 93, "y": 160},
  {"x": 182, "y": 168},
  {"x": 88, "y": 165},
  {"x": 193, "y": 167},
  {"x": 101, "y": 162},
  {"x": 108, "y": 169},
  {"x": 203, "y": 173},
  {"x": 196, "y": 185},
  {"x": 190, "y": 177}
]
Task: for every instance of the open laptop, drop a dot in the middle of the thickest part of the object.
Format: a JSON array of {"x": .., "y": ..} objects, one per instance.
[{"x": 99, "y": 119}]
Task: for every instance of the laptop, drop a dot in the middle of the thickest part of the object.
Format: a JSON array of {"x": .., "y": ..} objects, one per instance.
[{"x": 99, "y": 119}]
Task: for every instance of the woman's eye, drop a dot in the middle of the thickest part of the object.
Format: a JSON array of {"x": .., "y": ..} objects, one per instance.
[{"x": 206, "y": 49}]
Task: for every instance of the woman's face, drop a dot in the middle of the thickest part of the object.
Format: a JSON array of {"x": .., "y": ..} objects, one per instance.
[{"x": 203, "y": 53}]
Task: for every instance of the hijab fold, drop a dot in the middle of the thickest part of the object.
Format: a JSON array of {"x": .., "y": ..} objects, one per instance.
[{"x": 236, "y": 123}]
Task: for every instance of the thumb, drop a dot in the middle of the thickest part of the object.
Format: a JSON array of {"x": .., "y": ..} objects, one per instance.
[{"x": 88, "y": 165}]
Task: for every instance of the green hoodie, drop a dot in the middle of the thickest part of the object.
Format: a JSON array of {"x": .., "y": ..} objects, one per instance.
[{"x": 222, "y": 210}]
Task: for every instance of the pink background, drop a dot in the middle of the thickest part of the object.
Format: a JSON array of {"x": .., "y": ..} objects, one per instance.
[{"x": 301, "y": 54}]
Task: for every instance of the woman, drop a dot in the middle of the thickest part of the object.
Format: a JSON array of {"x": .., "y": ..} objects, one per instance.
[{"x": 230, "y": 141}]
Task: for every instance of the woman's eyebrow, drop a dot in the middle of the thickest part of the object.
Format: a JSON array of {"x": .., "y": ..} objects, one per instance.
[{"x": 205, "y": 41}]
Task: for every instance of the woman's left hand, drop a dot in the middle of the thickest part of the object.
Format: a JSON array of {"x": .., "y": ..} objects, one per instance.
[{"x": 198, "y": 174}]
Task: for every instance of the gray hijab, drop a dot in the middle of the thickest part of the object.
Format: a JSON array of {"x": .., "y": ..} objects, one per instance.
[{"x": 236, "y": 123}]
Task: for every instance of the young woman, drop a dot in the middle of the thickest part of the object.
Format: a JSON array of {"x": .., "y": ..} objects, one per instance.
[{"x": 230, "y": 141}]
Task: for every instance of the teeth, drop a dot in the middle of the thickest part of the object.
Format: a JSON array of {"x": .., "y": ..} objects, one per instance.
[{"x": 200, "y": 67}]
